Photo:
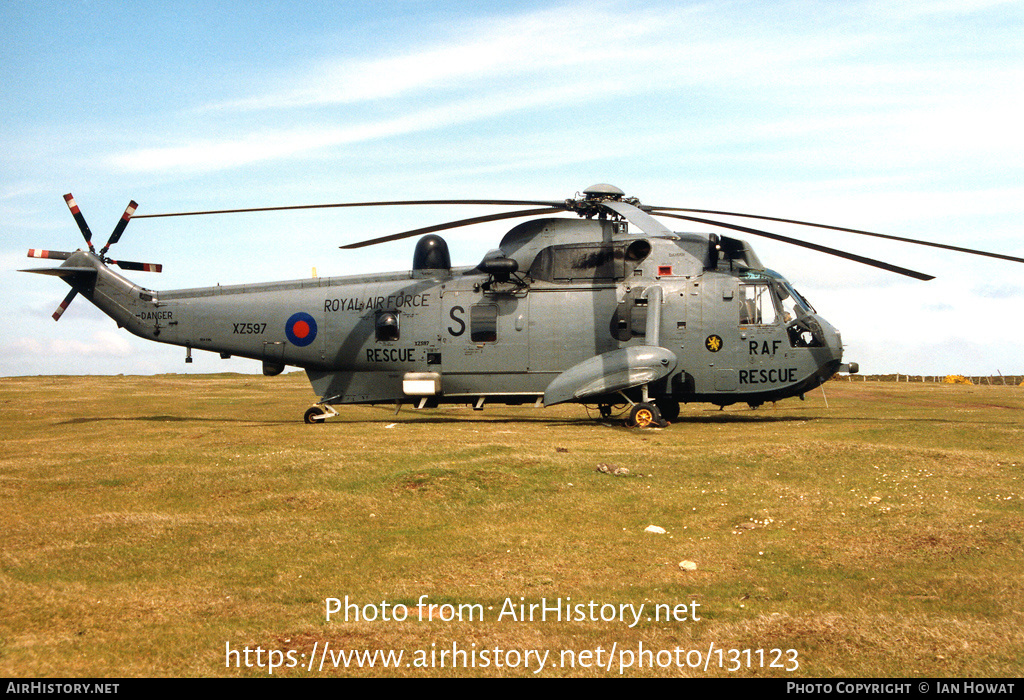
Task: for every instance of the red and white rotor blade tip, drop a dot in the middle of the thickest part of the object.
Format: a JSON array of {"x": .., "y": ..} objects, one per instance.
[
  {"x": 65, "y": 304},
  {"x": 79, "y": 219}
]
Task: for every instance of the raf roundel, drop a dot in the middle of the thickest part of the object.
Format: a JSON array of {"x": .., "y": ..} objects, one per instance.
[{"x": 300, "y": 329}]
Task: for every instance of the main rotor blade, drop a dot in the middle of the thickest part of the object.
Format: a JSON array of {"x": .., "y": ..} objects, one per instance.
[
  {"x": 121, "y": 224},
  {"x": 64, "y": 304},
  {"x": 454, "y": 224},
  {"x": 805, "y": 244},
  {"x": 972, "y": 251},
  {"x": 79, "y": 219},
  {"x": 498, "y": 202},
  {"x": 638, "y": 217}
]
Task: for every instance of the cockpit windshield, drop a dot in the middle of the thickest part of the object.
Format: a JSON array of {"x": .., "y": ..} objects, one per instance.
[
  {"x": 797, "y": 313},
  {"x": 794, "y": 306}
]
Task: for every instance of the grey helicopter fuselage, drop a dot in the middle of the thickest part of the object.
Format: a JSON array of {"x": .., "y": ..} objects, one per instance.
[{"x": 564, "y": 310}]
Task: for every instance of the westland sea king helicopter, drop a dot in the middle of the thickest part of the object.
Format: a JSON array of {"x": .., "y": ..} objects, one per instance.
[{"x": 564, "y": 310}]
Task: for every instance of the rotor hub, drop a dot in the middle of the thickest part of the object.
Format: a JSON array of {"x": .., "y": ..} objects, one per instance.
[
  {"x": 603, "y": 191},
  {"x": 591, "y": 204}
]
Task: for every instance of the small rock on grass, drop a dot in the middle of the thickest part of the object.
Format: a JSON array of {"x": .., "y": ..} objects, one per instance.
[{"x": 613, "y": 470}]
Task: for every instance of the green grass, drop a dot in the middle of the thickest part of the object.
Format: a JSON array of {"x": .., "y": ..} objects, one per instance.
[{"x": 148, "y": 521}]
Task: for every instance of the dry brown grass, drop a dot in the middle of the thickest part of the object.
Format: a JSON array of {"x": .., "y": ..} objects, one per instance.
[{"x": 148, "y": 521}]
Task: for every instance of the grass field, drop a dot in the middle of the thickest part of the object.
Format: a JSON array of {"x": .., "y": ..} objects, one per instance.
[{"x": 161, "y": 526}]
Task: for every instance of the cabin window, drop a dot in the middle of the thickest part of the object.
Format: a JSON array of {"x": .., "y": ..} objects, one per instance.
[
  {"x": 483, "y": 323},
  {"x": 387, "y": 326},
  {"x": 584, "y": 262},
  {"x": 757, "y": 305}
]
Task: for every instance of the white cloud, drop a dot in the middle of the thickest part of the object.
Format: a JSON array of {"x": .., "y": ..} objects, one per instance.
[
  {"x": 498, "y": 48},
  {"x": 767, "y": 78},
  {"x": 277, "y": 144}
]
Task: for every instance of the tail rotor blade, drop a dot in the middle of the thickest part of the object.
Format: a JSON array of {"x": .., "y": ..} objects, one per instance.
[
  {"x": 50, "y": 254},
  {"x": 138, "y": 266},
  {"x": 64, "y": 304},
  {"x": 79, "y": 219},
  {"x": 119, "y": 229}
]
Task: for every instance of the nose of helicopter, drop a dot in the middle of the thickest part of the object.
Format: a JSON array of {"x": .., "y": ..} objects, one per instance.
[
  {"x": 831, "y": 357},
  {"x": 831, "y": 337}
]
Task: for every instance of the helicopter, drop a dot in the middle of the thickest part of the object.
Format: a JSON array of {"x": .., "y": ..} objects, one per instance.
[{"x": 564, "y": 310}]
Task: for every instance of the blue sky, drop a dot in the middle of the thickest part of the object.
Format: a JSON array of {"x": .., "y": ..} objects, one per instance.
[{"x": 898, "y": 117}]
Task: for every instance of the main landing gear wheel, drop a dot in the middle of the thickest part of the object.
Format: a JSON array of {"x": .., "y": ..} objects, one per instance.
[
  {"x": 645, "y": 415},
  {"x": 669, "y": 408}
]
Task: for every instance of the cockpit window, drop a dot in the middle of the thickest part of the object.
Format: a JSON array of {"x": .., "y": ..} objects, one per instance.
[
  {"x": 757, "y": 307},
  {"x": 798, "y": 316},
  {"x": 794, "y": 306},
  {"x": 796, "y": 313}
]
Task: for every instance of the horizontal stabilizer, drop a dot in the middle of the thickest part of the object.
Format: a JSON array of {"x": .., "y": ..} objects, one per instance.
[{"x": 63, "y": 271}]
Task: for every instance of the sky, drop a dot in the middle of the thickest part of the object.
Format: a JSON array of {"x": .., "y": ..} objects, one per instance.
[{"x": 903, "y": 118}]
